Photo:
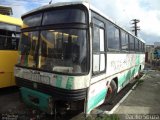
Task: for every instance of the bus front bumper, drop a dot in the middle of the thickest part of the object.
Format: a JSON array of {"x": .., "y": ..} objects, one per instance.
[{"x": 37, "y": 99}]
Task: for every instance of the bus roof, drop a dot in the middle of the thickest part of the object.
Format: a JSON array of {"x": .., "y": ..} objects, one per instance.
[
  {"x": 76, "y": 3},
  {"x": 10, "y": 20},
  {"x": 58, "y": 4}
]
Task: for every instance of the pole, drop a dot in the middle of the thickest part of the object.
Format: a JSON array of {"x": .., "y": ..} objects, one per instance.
[{"x": 135, "y": 27}]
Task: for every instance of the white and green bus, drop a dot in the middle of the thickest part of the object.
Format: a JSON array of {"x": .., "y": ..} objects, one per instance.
[{"x": 72, "y": 57}]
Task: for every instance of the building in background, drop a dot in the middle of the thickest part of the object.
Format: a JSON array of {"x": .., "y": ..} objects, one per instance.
[
  {"x": 153, "y": 54},
  {"x": 157, "y": 50},
  {"x": 156, "y": 44},
  {"x": 4, "y": 10},
  {"x": 149, "y": 53}
]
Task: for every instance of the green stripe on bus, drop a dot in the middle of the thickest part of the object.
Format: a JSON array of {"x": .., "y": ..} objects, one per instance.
[
  {"x": 137, "y": 59},
  {"x": 124, "y": 78},
  {"x": 69, "y": 83},
  {"x": 128, "y": 75},
  {"x": 58, "y": 81},
  {"x": 96, "y": 99}
]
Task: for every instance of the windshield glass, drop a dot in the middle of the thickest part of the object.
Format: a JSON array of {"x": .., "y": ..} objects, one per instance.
[
  {"x": 56, "y": 41},
  {"x": 63, "y": 50},
  {"x": 28, "y": 49},
  {"x": 32, "y": 21},
  {"x": 64, "y": 16}
]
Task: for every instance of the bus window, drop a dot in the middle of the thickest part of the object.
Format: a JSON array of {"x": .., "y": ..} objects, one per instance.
[
  {"x": 136, "y": 45},
  {"x": 139, "y": 44},
  {"x": 9, "y": 27},
  {"x": 98, "y": 47},
  {"x": 124, "y": 40},
  {"x": 64, "y": 16},
  {"x": 65, "y": 50},
  {"x": 96, "y": 40},
  {"x": 28, "y": 48},
  {"x": 8, "y": 40},
  {"x": 132, "y": 43},
  {"x": 31, "y": 21},
  {"x": 143, "y": 47},
  {"x": 113, "y": 37}
]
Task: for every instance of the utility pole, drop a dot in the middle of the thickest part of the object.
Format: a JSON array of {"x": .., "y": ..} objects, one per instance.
[
  {"x": 135, "y": 27},
  {"x": 50, "y": 2}
]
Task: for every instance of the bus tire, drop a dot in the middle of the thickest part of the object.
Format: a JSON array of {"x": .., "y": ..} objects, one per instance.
[{"x": 111, "y": 93}]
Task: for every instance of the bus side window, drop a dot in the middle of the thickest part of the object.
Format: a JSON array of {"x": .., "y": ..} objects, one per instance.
[
  {"x": 98, "y": 49},
  {"x": 124, "y": 41},
  {"x": 136, "y": 45},
  {"x": 131, "y": 43},
  {"x": 2, "y": 42},
  {"x": 113, "y": 37}
]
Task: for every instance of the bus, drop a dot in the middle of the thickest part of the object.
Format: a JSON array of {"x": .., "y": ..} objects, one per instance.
[
  {"x": 9, "y": 38},
  {"x": 73, "y": 57}
]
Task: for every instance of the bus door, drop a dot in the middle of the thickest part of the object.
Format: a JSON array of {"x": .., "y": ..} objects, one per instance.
[{"x": 97, "y": 90}]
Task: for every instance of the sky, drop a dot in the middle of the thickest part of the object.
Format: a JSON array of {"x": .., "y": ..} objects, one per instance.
[{"x": 120, "y": 11}]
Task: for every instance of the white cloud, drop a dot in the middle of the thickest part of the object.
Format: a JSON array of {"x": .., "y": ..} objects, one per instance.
[
  {"x": 18, "y": 11},
  {"x": 150, "y": 23}
]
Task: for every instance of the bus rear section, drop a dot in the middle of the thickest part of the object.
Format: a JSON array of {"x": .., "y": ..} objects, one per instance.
[
  {"x": 53, "y": 65},
  {"x": 9, "y": 38}
]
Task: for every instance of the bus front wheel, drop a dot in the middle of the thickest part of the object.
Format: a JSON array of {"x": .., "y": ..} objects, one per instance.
[{"x": 111, "y": 93}]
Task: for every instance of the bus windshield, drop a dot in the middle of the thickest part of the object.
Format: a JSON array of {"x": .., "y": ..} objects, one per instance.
[
  {"x": 59, "y": 50},
  {"x": 63, "y": 50}
]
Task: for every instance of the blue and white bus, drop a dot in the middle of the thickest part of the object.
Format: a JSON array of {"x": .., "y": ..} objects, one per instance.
[{"x": 72, "y": 57}]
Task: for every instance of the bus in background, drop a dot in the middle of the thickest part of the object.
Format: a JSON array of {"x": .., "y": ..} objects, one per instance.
[
  {"x": 9, "y": 40},
  {"x": 72, "y": 57}
]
